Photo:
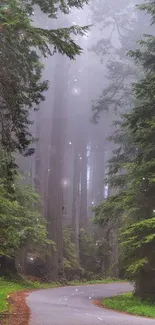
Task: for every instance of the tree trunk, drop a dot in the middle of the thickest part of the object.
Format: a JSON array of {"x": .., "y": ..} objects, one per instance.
[
  {"x": 20, "y": 260},
  {"x": 76, "y": 196},
  {"x": 145, "y": 285},
  {"x": 55, "y": 179},
  {"x": 83, "y": 196}
]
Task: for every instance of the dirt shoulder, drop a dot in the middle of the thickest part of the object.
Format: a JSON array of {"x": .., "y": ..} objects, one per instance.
[{"x": 19, "y": 312}]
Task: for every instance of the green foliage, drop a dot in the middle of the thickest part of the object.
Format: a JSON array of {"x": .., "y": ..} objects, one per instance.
[
  {"x": 52, "y": 7},
  {"x": 134, "y": 205},
  {"x": 21, "y": 85},
  {"x": 130, "y": 304},
  {"x": 20, "y": 219},
  {"x": 149, "y": 8},
  {"x": 88, "y": 248},
  {"x": 121, "y": 20},
  {"x": 71, "y": 264},
  {"x": 93, "y": 254}
]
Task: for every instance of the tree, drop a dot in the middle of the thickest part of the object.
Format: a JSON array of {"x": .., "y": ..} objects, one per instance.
[
  {"x": 22, "y": 45},
  {"x": 72, "y": 267},
  {"x": 88, "y": 251},
  {"x": 76, "y": 198},
  {"x": 125, "y": 27},
  {"x": 134, "y": 203},
  {"x": 21, "y": 226},
  {"x": 52, "y": 7},
  {"x": 79, "y": 203},
  {"x": 55, "y": 175}
]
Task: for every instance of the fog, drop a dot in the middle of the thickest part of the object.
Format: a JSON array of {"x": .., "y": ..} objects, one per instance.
[
  {"x": 74, "y": 123},
  {"x": 73, "y": 86},
  {"x": 77, "y": 162}
]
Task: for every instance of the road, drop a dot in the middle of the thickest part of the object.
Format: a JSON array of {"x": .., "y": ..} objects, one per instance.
[{"x": 73, "y": 306}]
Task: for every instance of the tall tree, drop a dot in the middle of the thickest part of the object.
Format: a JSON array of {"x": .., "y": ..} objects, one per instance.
[
  {"x": 56, "y": 182},
  {"x": 120, "y": 29},
  {"x": 83, "y": 194},
  {"x": 133, "y": 173},
  {"x": 76, "y": 198},
  {"x": 125, "y": 26},
  {"x": 79, "y": 204},
  {"x": 22, "y": 45}
]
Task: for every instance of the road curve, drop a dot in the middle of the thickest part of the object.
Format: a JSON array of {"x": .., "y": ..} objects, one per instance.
[{"x": 73, "y": 306}]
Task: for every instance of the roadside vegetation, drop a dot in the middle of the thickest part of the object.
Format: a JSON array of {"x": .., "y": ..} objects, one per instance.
[
  {"x": 129, "y": 303},
  {"x": 9, "y": 286},
  {"x": 99, "y": 281}
]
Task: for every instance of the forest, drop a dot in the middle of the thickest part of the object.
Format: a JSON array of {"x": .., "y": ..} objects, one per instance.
[{"x": 77, "y": 123}]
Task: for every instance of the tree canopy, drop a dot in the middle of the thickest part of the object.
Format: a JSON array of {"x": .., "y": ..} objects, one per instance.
[{"x": 22, "y": 46}]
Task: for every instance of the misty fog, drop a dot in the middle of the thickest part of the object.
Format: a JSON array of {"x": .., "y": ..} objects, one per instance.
[
  {"x": 70, "y": 164},
  {"x": 77, "y": 152}
]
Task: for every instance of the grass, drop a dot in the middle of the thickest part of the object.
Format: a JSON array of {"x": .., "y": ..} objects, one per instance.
[
  {"x": 101, "y": 281},
  {"x": 7, "y": 287},
  {"x": 130, "y": 304}
]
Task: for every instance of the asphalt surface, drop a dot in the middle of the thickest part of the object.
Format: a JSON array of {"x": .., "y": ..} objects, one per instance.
[{"x": 73, "y": 306}]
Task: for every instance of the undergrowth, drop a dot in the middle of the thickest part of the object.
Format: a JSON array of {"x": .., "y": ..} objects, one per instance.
[{"x": 130, "y": 304}]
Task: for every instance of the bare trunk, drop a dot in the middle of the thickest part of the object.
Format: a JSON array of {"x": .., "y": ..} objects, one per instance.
[
  {"x": 83, "y": 197},
  {"x": 76, "y": 196},
  {"x": 55, "y": 179},
  {"x": 145, "y": 285},
  {"x": 20, "y": 260}
]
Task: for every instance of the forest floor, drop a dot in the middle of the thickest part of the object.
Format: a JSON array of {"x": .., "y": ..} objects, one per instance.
[
  {"x": 130, "y": 304},
  {"x": 13, "y": 308}
]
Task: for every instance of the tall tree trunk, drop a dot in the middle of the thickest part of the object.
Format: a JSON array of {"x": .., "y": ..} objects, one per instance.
[
  {"x": 55, "y": 179},
  {"x": 76, "y": 199},
  {"x": 83, "y": 196},
  {"x": 145, "y": 284},
  {"x": 20, "y": 260}
]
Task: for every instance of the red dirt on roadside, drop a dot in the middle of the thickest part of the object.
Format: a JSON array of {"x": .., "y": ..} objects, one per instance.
[{"x": 19, "y": 312}]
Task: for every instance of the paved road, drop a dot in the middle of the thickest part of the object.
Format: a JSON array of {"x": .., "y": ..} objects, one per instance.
[{"x": 73, "y": 306}]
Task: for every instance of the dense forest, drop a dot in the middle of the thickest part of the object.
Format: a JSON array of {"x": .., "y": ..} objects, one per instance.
[{"x": 77, "y": 180}]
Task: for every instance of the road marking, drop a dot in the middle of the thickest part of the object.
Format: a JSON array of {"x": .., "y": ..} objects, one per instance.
[
  {"x": 59, "y": 301},
  {"x": 92, "y": 315}
]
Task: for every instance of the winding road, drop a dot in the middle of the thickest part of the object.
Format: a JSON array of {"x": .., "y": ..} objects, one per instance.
[{"x": 73, "y": 306}]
